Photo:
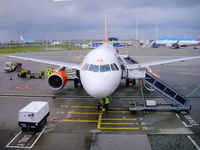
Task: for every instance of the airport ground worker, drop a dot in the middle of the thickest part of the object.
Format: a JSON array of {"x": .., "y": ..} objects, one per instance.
[
  {"x": 48, "y": 71},
  {"x": 106, "y": 103},
  {"x": 99, "y": 107},
  {"x": 53, "y": 70}
]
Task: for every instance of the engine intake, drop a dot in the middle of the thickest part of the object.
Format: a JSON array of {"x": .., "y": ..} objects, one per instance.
[{"x": 57, "y": 80}]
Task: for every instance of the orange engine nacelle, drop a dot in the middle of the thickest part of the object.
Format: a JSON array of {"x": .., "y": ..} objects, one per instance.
[{"x": 57, "y": 80}]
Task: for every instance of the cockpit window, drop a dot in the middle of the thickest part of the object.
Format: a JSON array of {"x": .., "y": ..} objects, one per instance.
[
  {"x": 104, "y": 68},
  {"x": 85, "y": 67},
  {"x": 94, "y": 68},
  {"x": 114, "y": 67}
]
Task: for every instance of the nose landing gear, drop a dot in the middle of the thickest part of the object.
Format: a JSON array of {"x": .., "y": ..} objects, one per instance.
[{"x": 103, "y": 104}]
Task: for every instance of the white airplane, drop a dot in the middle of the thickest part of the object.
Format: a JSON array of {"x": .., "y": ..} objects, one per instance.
[
  {"x": 100, "y": 70},
  {"x": 26, "y": 40},
  {"x": 176, "y": 44}
]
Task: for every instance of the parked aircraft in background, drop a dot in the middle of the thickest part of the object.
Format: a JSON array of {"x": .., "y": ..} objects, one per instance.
[
  {"x": 100, "y": 71},
  {"x": 176, "y": 42},
  {"x": 27, "y": 40}
]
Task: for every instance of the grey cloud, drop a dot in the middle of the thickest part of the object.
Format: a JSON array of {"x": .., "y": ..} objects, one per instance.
[{"x": 85, "y": 18}]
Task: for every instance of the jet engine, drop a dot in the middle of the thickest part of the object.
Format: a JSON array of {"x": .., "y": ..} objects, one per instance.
[{"x": 57, "y": 80}]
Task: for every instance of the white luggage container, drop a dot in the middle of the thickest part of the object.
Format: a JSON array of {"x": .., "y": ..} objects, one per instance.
[{"x": 33, "y": 116}]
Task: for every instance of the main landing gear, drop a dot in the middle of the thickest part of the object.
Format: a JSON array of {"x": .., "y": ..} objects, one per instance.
[
  {"x": 77, "y": 82},
  {"x": 130, "y": 81}
]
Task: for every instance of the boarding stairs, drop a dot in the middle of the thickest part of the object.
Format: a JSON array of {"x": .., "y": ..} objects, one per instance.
[{"x": 176, "y": 99}]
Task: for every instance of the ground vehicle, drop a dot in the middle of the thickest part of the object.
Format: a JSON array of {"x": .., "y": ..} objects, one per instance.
[
  {"x": 29, "y": 74},
  {"x": 23, "y": 73},
  {"x": 36, "y": 75},
  {"x": 33, "y": 116},
  {"x": 11, "y": 66}
]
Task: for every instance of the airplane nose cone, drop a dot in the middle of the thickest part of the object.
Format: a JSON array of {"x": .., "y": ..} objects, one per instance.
[
  {"x": 100, "y": 88},
  {"x": 100, "y": 84}
]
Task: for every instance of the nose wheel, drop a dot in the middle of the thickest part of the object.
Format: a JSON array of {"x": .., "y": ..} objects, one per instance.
[
  {"x": 130, "y": 81},
  {"x": 99, "y": 105},
  {"x": 102, "y": 106}
]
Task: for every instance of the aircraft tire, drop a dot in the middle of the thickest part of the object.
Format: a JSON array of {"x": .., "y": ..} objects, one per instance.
[{"x": 127, "y": 82}]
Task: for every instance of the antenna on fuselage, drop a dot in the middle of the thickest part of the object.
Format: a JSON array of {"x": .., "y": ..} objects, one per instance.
[{"x": 106, "y": 28}]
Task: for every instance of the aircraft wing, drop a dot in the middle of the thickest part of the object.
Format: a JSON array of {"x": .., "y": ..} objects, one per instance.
[
  {"x": 51, "y": 62},
  {"x": 147, "y": 64}
]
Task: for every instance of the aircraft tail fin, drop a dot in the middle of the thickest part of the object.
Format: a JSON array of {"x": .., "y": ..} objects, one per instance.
[
  {"x": 21, "y": 38},
  {"x": 106, "y": 29}
]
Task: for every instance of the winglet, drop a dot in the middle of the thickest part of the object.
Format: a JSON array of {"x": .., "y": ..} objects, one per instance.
[{"x": 106, "y": 29}]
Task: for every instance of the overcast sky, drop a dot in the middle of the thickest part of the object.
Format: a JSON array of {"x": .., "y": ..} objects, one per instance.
[{"x": 84, "y": 19}]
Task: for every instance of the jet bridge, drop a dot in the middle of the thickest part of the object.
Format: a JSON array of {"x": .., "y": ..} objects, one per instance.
[
  {"x": 130, "y": 74},
  {"x": 176, "y": 100}
]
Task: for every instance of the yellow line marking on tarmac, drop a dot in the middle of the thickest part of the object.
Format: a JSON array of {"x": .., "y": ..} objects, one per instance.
[
  {"x": 117, "y": 108},
  {"x": 83, "y": 113},
  {"x": 99, "y": 121},
  {"x": 96, "y": 107},
  {"x": 119, "y": 123},
  {"x": 194, "y": 91},
  {"x": 118, "y": 119},
  {"x": 119, "y": 111},
  {"x": 83, "y": 107},
  {"x": 79, "y": 120},
  {"x": 105, "y": 128}
]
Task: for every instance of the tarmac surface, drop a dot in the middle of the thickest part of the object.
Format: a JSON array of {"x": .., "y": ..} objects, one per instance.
[{"x": 74, "y": 121}]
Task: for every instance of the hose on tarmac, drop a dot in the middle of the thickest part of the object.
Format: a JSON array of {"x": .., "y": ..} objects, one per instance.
[
  {"x": 53, "y": 122},
  {"x": 149, "y": 89},
  {"x": 146, "y": 86}
]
